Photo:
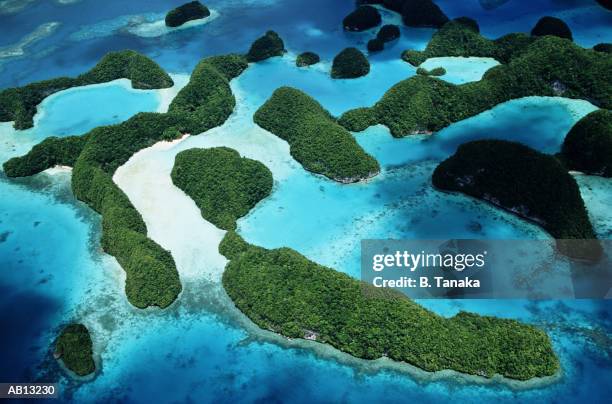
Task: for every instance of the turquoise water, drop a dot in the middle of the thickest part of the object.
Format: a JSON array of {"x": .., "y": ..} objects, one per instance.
[{"x": 202, "y": 349}]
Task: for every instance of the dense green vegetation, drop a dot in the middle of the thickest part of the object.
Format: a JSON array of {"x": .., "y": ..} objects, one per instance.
[
  {"x": 282, "y": 291},
  {"x": 515, "y": 177},
  {"x": 315, "y": 139},
  {"x": 267, "y": 46},
  {"x": 588, "y": 145},
  {"x": 350, "y": 64},
  {"x": 74, "y": 348},
  {"x": 224, "y": 185},
  {"x": 193, "y": 10},
  {"x": 550, "y": 66},
  {"x": 362, "y": 18},
  {"x": 375, "y": 45},
  {"x": 436, "y": 71},
  {"x": 205, "y": 102},
  {"x": 19, "y": 104},
  {"x": 461, "y": 37},
  {"x": 552, "y": 26},
  {"x": 423, "y": 13},
  {"x": 307, "y": 59},
  {"x": 388, "y": 33}
]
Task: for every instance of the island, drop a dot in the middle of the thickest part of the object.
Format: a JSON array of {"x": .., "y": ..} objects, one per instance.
[
  {"x": 549, "y": 66},
  {"x": 388, "y": 33},
  {"x": 19, "y": 104},
  {"x": 315, "y": 139},
  {"x": 415, "y": 13},
  {"x": 375, "y": 45},
  {"x": 588, "y": 145},
  {"x": 282, "y": 291},
  {"x": 361, "y": 19},
  {"x": 223, "y": 185},
  {"x": 269, "y": 45},
  {"x": 307, "y": 59},
  {"x": 461, "y": 37},
  {"x": 351, "y": 63},
  {"x": 74, "y": 348},
  {"x": 603, "y": 47},
  {"x": 193, "y": 10},
  {"x": 530, "y": 184},
  {"x": 205, "y": 102},
  {"x": 552, "y": 26}
]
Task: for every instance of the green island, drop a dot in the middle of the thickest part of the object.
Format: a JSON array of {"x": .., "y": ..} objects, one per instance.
[
  {"x": 603, "y": 47},
  {"x": 519, "y": 179},
  {"x": 205, "y": 102},
  {"x": 361, "y": 19},
  {"x": 307, "y": 59},
  {"x": 74, "y": 348},
  {"x": 265, "y": 47},
  {"x": 375, "y": 45},
  {"x": 549, "y": 66},
  {"x": 436, "y": 71},
  {"x": 388, "y": 33},
  {"x": 415, "y": 13},
  {"x": 282, "y": 291},
  {"x": 588, "y": 145},
  {"x": 316, "y": 141},
  {"x": 350, "y": 63},
  {"x": 19, "y": 103},
  {"x": 193, "y": 10},
  {"x": 461, "y": 37},
  {"x": 552, "y": 26},
  {"x": 224, "y": 185}
]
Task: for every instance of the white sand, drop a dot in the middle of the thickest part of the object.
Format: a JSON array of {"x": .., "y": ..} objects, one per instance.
[
  {"x": 166, "y": 95},
  {"x": 173, "y": 220}
]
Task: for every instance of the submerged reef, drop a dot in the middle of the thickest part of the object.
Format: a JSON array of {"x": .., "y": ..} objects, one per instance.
[
  {"x": 307, "y": 59},
  {"x": 224, "y": 185},
  {"x": 552, "y": 26},
  {"x": 74, "y": 348},
  {"x": 19, "y": 104},
  {"x": 267, "y": 46},
  {"x": 193, "y": 10},
  {"x": 315, "y": 139},
  {"x": 549, "y": 66},
  {"x": 519, "y": 179},
  {"x": 205, "y": 102},
  {"x": 588, "y": 145},
  {"x": 351, "y": 63},
  {"x": 282, "y": 291},
  {"x": 361, "y": 19}
]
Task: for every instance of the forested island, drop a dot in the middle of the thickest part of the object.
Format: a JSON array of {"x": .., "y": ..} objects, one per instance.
[
  {"x": 223, "y": 185},
  {"x": 530, "y": 184},
  {"x": 588, "y": 145},
  {"x": 282, "y": 291},
  {"x": 547, "y": 66},
  {"x": 316, "y": 141},
  {"x": 265, "y": 47},
  {"x": 415, "y": 13},
  {"x": 205, "y": 102},
  {"x": 74, "y": 348},
  {"x": 193, "y": 10},
  {"x": 350, "y": 63},
  {"x": 19, "y": 104}
]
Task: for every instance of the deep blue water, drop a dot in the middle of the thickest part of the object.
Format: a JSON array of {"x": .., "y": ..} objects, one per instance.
[{"x": 201, "y": 349}]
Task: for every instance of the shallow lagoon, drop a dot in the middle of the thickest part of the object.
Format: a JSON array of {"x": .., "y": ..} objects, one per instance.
[{"x": 202, "y": 348}]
